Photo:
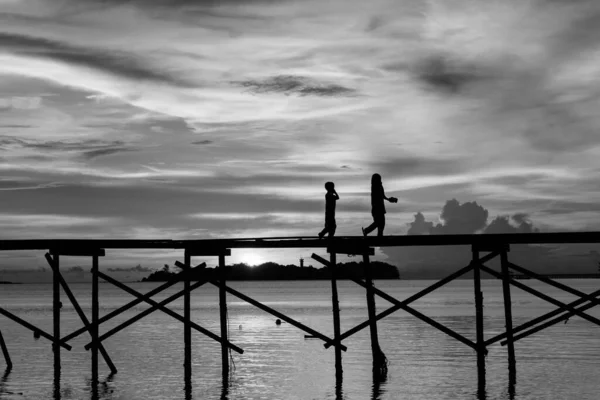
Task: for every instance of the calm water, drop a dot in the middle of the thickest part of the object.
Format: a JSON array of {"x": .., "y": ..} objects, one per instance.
[{"x": 562, "y": 362}]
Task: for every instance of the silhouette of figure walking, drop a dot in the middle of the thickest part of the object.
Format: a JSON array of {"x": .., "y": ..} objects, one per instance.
[
  {"x": 330, "y": 198},
  {"x": 377, "y": 207}
]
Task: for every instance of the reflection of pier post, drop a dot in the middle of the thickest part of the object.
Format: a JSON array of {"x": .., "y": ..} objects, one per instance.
[
  {"x": 56, "y": 313},
  {"x": 95, "y": 317},
  {"x": 479, "y": 342}
]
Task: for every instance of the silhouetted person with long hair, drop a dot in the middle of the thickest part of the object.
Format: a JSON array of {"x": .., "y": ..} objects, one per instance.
[
  {"x": 377, "y": 207},
  {"x": 330, "y": 198}
]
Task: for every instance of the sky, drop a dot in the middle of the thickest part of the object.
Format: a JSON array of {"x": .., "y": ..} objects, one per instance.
[{"x": 181, "y": 119}]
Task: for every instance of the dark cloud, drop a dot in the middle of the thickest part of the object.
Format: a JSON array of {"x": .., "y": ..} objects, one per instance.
[
  {"x": 447, "y": 74},
  {"x": 137, "y": 268},
  {"x": 203, "y": 142},
  {"x": 288, "y": 84},
  {"x": 89, "y": 148},
  {"x": 114, "y": 62},
  {"x": 410, "y": 165}
]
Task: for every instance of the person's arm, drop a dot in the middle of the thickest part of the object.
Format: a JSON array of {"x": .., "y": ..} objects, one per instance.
[
  {"x": 336, "y": 195},
  {"x": 383, "y": 194}
]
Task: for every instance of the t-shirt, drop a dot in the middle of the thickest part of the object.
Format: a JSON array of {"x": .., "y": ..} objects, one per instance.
[
  {"x": 330, "y": 200},
  {"x": 377, "y": 195}
]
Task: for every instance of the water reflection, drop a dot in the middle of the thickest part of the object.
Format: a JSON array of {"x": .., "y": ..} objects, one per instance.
[
  {"x": 379, "y": 380},
  {"x": 56, "y": 384},
  {"x": 3, "y": 381},
  {"x": 225, "y": 391},
  {"x": 339, "y": 380}
]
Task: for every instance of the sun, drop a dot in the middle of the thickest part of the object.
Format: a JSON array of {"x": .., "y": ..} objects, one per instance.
[{"x": 252, "y": 259}]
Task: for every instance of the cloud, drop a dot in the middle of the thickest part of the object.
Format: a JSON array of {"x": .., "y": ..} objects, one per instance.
[
  {"x": 300, "y": 86},
  {"x": 118, "y": 63}
]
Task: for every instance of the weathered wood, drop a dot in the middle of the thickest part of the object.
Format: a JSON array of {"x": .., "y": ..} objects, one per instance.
[
  {"x": 208, "y": 251},
  {"x": 336, "y": 315},
  {"x": 512, "y": 370},
  {"x": 133, "y": 303},
  {"x": 7, "y": 359},
  {"x": 223, "y": 317},
  {"x": 479, "y": 334},
  {"x": 306, "y": 242},
  {"x": 80, "y": 312},
  {"x": 73, "y": 251},
  {"x": 33, "y": 328},
  {"x": 379, "y": 359},
  {"x": 563, "y": 306},
  {"x": 158, "y": 306},
  {"x": 56, "y": 306},
  {"x": 277, "y": 314},
  {"x": 351, "y": 250},
  {"x": 187, "y": 326}
]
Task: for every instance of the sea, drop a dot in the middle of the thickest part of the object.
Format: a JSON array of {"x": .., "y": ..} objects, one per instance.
[{"x": 279, "y": 362}]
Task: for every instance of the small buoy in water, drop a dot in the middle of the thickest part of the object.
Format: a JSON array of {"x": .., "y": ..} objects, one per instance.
[
  {"x": 278, "y": 321},
  {"x": 240, "y": 327},
  {"x": 36, "y": 335}
]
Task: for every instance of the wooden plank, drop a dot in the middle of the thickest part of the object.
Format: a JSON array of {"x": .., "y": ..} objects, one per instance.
[{"x": 72, "y": 251}]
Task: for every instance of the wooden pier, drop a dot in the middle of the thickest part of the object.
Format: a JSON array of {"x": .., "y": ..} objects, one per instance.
[{"x": 483, "y": 249}]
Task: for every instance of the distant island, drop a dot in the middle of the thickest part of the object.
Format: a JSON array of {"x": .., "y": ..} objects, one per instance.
[
  {"x": 272, "y": 271},
  {"x": 8, "y": 283}
]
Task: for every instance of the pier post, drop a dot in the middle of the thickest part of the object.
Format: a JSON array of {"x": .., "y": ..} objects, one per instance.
[
  {"x": 379, "y": 359},
  {"x": 224, "y": 325},
  {"x": 336, "y": 315},
  {"x": 512, "y": 370},
  {"x": 95, "y": 317},
  {"x": 480, "y": 342},
  {"x": 5, "y": 352},
  {"x": 187, "y": 327},
  {"x": 56, "y": 305}
]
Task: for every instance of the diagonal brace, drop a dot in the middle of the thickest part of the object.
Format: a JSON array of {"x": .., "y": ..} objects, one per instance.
[
  {"x": 176, "y": 279},
  {"x": 32, "y": 328},
  {"x": 542, "y": 296},
  {"x": 164, "y": 309},
  {"x": 79, "y": 311},
  {"x": 279, "y": 315},
  {"x": 543, "y": 318}
]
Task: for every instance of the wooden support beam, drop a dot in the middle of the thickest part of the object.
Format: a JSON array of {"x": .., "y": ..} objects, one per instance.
[
  {"x": 279, "y": 315},
  {"x": 158, "y": 306},
  {"x": 94, "y": 326},
  {"x": 351, "y": 250},
  {"x": 56, "y": 306},
  {"x": 208, "y": 251},
  {"x": 178, "y": 277},
  {"x": 512, "y": 369},
  {"x": 187, "y": 326},
  {"x": 480, "y": 340},
  {"x": 223, "y": 317},
  {"x": 79, "y": 311},
  {"x": 78, "y": 252},
  {"x": 7, "y": 359},
  {"x": 543, "y": 296},
  {"x": 551, "y": 322},
  {"x": 336, "y": 315},
  {"x": 542, "y": 318},
  {"x": 32, "y": 328},
  {"x": 400, "y": 305},
  {"x": 379, "y": 359}
]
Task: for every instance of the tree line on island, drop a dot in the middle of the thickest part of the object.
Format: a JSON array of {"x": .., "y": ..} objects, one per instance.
[{"x": 272, "y": 271}]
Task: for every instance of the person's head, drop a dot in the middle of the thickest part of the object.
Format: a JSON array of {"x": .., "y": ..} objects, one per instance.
[
  {"x": 329, "y": 186},
  {"x": 376, "y": 179}
]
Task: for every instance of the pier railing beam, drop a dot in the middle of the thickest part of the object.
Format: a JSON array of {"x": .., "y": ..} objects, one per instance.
[
  {"x": 479, "y": 342},
  {"x": 5, "y": 353},
  {"x": 512, "y": 370}
]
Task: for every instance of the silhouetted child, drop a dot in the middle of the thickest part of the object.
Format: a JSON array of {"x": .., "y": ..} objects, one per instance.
[
  {"x": 377, "y": 207},
  {"x": 330, "y": 198}
]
